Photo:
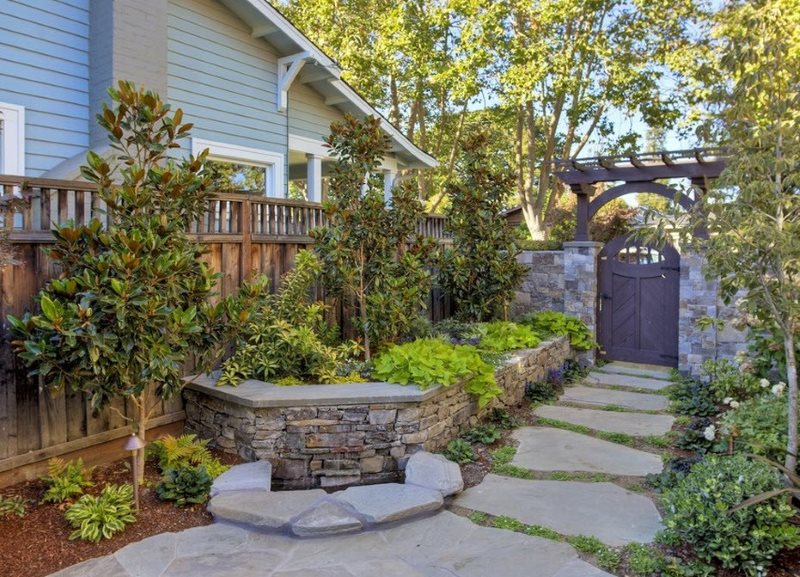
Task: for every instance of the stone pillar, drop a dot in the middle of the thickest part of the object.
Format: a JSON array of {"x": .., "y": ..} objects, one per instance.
[
  {"x": 700, "y": 298},
  {"x": 314, "y": 178},
  {"x": 580, "y": 286},
  {"x": 389, "y": 176}
]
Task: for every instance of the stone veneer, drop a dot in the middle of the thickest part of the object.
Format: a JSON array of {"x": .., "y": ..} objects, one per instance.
[
  {"x": 542, "y": 288},
  {"x": 332, "y": 435},
  {"x": 580, "y": 287}
]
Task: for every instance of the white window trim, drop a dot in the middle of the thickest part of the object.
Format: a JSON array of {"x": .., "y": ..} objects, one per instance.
[
  {"x": 13, "y": 138},
  {"x": 272, "y": 161}
]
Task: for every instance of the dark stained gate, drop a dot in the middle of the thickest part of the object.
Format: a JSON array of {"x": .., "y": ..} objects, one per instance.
[{"x": 638, "y": 304}]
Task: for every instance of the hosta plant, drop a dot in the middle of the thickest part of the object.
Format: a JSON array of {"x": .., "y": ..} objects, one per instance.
[
  {"x": 101, "y": 517},
  {"x": 431, "y": 362},
  {"x": 704, "y": 511},
  {"x": 65, "y": 480},
  {"x": 12, "y": 506},
  {"x": 552, "y": 323},
  {"x": 185, "y": 485}
]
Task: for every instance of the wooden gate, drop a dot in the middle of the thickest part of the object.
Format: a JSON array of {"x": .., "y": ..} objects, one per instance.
[{"x": 638, "y": 304}]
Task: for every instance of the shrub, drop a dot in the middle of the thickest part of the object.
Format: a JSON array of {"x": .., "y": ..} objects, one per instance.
[
  {"x": 101, "y": 517},
  {"x": 540, "y": 392},
  {"x": 691, "y": 397},
  {"x": 430, "y": 362},
  {"x": 480, "y": 269},
  {"x": 759, "y": 426},
  {"x": 502, "y": 336},
  {"x": 729, "y": 382},
  {"x": 693, "y": 437},
  {"x": 459, "y": 451},
  {"x": 12, "y": 506},
  {"x": 65, "y": 480},
  {"x": 285, "y": 335},
  {"x": 551, "y": 323},
  {"x": 698, "y": 513},
  {"x": 674, "y": 471},
  {"x": 185, "y": 451},
  {"x": 482, "y": 434},
  {"x": 185, "y": 485}
]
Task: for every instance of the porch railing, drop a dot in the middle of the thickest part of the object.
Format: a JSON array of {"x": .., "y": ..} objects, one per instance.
[{"x": 55, "y": 202}]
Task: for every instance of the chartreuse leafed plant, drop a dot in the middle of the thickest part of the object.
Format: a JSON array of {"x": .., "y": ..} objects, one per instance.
[
  {"x": 185, "y": 451},
  {"x": 429, "y": 362},
  {"x": 552, "y": 323},
  {"x": 101, "y": 517},
  {"x": 65, "y": 480},
  {"x": 286, "y": 338},
  {"x": 370, "y": 250},
  {"x": 185, "y": 485},
  {"x": 12, "y": 506},
  {"x": 480, "y": 269},
  {"x": 702, "y": 512},
  {"x": 502, "y": 336},
  {"x": 131, "y": 301}
]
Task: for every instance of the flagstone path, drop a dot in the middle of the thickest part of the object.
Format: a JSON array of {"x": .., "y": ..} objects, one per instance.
[{"x": 607, "y": 511}]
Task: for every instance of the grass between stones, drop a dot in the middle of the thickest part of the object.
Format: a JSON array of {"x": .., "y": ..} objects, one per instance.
[
  {"x": 644, "y": 390},
  {"x": 652, "y": 443}
]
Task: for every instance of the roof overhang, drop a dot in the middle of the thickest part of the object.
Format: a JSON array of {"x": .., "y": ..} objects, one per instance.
[{"x": 321, "y": 72}]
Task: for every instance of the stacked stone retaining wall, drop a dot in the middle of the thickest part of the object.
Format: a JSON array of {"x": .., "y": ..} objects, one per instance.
[{"x": 362, "y": 433}]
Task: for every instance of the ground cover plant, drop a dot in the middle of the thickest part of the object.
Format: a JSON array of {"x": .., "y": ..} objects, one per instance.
[
  {"x": 66, "y": 480},
  {"x": 502, "y": 336},
  {"x": 552, "y": 323}
]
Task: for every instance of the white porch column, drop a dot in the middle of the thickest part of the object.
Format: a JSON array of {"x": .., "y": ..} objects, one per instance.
[
  {"x": 314, "y": 178},
  {"x": 389, "y": 177}
]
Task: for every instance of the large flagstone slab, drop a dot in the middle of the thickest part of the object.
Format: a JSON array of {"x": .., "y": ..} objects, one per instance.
[
  {"x": 629, "y": 381},
  {"x": 635, "y": 424},
  {"x": 594, "y": 397},
  {"x": 649, "y": 371},
  {"x": 546, "y": 449},
  {"x": 602, "y": 510},
  {"x": 263, "y": 510}
]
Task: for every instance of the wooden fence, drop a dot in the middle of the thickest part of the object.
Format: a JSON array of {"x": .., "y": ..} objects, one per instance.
[{"x": 244, "y": 234}]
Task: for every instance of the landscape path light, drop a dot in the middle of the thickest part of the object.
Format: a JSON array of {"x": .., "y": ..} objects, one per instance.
[{"x": 134, "y": 444}]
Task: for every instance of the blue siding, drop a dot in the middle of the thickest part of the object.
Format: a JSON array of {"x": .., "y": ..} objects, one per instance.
[
  {"x": 222, "y": 78},
  {"x": 44, "y": 66},
  {"x": 309, "y": 116}
]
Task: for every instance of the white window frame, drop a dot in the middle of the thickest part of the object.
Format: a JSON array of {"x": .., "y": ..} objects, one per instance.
[
  {"x": 13, "y": 135},
  {"x": 273, "y": 162}
]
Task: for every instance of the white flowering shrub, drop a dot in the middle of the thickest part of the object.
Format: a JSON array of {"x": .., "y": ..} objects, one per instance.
[
  {"x": 698, "y": 514},
  {"x": 759, "y": 425},
  {"x": 729, "y": 382}
]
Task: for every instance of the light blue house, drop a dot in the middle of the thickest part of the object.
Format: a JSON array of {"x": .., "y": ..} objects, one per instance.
[{"x": 259, "y": 93}]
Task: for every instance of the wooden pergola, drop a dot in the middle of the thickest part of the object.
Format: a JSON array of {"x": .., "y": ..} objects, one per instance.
[{"x": 636, "y": 173}]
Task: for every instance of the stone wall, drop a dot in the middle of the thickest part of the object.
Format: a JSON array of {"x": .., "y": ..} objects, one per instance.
[
  {"x": 580, "y": 287},
  {"x": 542, "y": 288},
  {"x": 699, "y": 298},
  {"x": 332, "y": 435}
]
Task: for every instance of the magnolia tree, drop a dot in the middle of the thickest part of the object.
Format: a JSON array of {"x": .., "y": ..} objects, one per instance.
[{"x": 130, "y": 304}]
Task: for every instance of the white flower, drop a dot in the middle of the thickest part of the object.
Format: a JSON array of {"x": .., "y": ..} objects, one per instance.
[
  {"x": 734, "y": 404},
  {"x": 764, "y": 383},
  {"x": 727, "y": 400},
  {"x": 778, "y": 389},
  {"x": 710, "y": 432}
]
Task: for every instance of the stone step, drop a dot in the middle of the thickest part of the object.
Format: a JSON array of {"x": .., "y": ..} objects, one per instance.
[
  {"x": 255, "y": 476},
  {"x": 271, "y": 511},
  {"x": 548, "y": 449},
  {"x": 594, "y": 397},
  {"x": 635, "y": 424},
  {"x": 615, "y": 380},
  {"x": 649, "y": 371},
  {"x": 390, "y": 501},
  {"x": 602, "y": 510}
]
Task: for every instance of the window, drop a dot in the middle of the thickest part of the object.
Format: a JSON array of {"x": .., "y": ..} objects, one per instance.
[
  {"x": 241, "y": 169},
  {"x": 12, "y": 139}
]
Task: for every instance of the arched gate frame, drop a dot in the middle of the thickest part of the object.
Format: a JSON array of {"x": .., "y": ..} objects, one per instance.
[{"x": 633, "y": 301}]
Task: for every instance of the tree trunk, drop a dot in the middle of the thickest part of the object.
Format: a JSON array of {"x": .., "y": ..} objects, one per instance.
[
  {"x": 791, "y": 377},
  {"x": 535, "y": 222},
  {"x": 142, "y": 435}
]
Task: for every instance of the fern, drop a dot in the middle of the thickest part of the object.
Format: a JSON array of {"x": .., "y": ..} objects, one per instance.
[
  {"x": 65, "y": 480},
  {"x": 95, "y": 518},
  {"x": 185, "y": 451}
]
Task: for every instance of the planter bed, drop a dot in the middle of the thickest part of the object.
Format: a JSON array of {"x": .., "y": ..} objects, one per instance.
[{"x": 349, "y": 434}]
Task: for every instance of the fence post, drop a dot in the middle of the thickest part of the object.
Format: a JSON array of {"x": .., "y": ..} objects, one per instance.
[{"x": 245, "y": 216}]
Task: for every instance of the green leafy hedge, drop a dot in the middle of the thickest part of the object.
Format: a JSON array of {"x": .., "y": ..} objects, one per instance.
[
  {"x": 551, "y": 323},
  {"x": 429, "y": 362},
  {"x": 698, "y": 513}
]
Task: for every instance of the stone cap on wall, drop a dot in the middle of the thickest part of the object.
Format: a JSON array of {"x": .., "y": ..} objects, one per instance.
[{"x": 259, "y": 394}]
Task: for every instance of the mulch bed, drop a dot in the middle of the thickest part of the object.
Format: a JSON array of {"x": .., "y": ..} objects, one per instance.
[{"x": 38, "y": 543}]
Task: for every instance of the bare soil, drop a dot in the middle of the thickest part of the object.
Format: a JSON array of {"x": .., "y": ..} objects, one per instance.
[{"x": 38, "y": 543}]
